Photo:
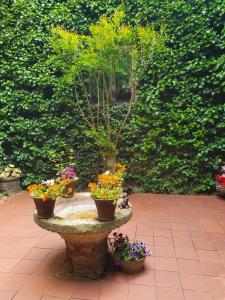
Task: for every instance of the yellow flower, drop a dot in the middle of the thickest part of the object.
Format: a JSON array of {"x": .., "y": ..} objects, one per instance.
[{"x": 92, "y": 185}]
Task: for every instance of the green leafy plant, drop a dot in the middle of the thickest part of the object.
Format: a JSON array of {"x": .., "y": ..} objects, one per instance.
[
  {"x": 101, "y": 63},
  {"x": 174, "y": 139}
]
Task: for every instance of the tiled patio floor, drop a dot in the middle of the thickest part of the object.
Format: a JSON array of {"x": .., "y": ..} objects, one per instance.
[{"x": 185, "y": 233}]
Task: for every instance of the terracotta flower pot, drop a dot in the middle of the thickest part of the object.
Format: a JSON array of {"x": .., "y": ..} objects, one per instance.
[
  {"x": 10, "y": 185},
  {"x": 220, "y": 190},
  {"x": 69, "y": 189},
  {"x": 105, "y": 209},
  {"x": 45, "y": 209},
  {"x": 132, "y": 267}
]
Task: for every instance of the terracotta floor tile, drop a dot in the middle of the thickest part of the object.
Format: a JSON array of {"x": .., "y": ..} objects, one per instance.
[
  {"x": 19, "y": 252},
  {"x": 163, "y": 241},
  {"x": 181, "y": 234},
  {"x": 216, "y": 236},
  {"x": 214, "y": 228},
  {"x": 141, "y": 292},
  {"x": 6, "y": 295},
  {"x": 166, "y": 263},
  {"x": 164, "y": 293},
  {"x": 197, "y": 295},
  {"x": 222, "y": 255},
  {"x": 36, "y": 284},
  {"x": 203, "y": 244},
  {"x": 189, "y": 266},
  {"x": 10, "y": 241},
  {"x": 186, "y": 253},
  {"x": 167, "y": 279},
  {"x": 218, "y": 295},
  {"x": 5, "y": 250},
  {"x": 112, "y": 291},
  {"x": 179, "y": 226},
  {"x": 27, "y": 296},
  {"x": 160, "y": 225},
  {"x": 143, "y": 230},
  {"x": 216, "y": 284},
  {"x": 194, "y": 282},
  {"x": 164, "y": 251},
  {"x": 219, "y": 245},
  {"x": 54, "y": 298},
  {"x": 199, "y": 235},
  {"x": 116, "y": 276},
  {"x": 26, "y": 266},
  {"x": 208, "y": 255},
  {"x": 90, "y": 290},
  {"x": 183, "y": 243},
  {"x": 59, "y": 287},
  {"x": 146, "y": 277},
  {"x": 28, "y": 242},
  {"x": 212, "y": 268},
  {"x": 37, "y": 253},
  {"x": 11, "y": 282},
  {"x": 150, "y": 262},
  {"x": 162, "y": 232},
  {"x": 7, "y": 264}
]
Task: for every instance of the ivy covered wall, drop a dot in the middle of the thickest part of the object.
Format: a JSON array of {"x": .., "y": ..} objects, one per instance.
[{"x": 174, "y": 140}]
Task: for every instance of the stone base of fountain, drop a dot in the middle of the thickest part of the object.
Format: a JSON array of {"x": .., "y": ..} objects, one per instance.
[
  {"x": 85, "y": 236},
  {"x": 87, "y": 254}
]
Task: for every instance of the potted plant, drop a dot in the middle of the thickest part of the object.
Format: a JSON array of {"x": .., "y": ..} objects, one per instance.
[
  {"x": 44, "y": 195},
  {"x": 69, "y": 179},
  {"x": 130, "y": 257},
  {"x": 10, "y": 179},
  {"x": 107, "y": 191},
  {"x": 220, "y": 182}
]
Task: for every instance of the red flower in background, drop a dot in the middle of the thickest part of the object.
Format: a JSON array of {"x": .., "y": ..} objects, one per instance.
[{"x": 220, "y": 179}]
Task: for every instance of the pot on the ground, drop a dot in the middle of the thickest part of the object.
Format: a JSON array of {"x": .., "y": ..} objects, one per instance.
[
  {"x": 133, "y": 267},
  {"x": 45, "y": 209},
  {"x": 220, "y": 190},
  {"x": 10, "y": 185},
  {"x": 105, "y": 209}
]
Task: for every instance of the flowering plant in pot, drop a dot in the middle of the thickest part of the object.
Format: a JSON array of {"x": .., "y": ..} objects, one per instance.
[
  {"x": 107, "y": 191},
  {"x": 67, "y": 175},
  {"x": 44, "y": 195},
  {"x": 10, "y": 179},
  {"x": 220, "y": 182},
  {"x": 129, "y": 256}
]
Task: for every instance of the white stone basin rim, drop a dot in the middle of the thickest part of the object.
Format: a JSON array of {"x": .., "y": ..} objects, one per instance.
[
  {"x": 81, "y": 203},
  {"x": 82, "y": 226}
]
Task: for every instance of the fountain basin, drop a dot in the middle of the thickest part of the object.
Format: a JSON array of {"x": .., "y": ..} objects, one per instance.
[{"x": 75, "y": 220}]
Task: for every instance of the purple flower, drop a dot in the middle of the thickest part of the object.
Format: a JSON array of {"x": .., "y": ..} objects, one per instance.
[
  {"x": 133, "y": 255},
  {"x": 223, "y": 168}
]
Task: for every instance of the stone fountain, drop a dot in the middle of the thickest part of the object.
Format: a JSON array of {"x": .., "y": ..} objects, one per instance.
[{"x": 75, "y": 220}]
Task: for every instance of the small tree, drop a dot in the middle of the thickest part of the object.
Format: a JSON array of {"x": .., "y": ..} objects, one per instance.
[{"x": 99, "y": 65}]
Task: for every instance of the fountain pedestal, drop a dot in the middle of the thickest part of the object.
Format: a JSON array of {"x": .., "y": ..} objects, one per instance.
[{"x": 85, "y": 236}]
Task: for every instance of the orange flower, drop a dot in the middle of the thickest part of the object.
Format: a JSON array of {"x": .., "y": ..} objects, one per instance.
[
  {"x": 44, "y": 197},
  {"x": 92, "y": 185},
  {"x": 108, "y": 179},
  {"x": 33, "y": 187}
]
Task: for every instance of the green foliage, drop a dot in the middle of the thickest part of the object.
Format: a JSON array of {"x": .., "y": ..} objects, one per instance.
[
  {"x": 173, "y": 142},
  {"x": 98, "y": 63}
]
